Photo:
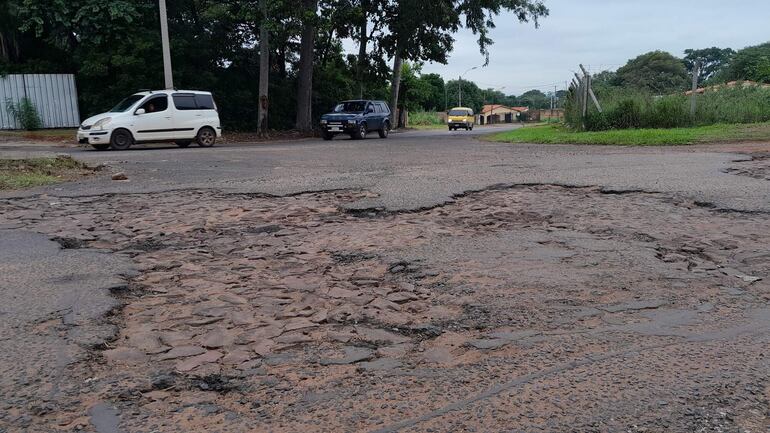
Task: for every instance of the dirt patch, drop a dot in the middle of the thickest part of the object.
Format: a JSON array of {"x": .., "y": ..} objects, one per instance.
[
  {"x": 26, "y": 173},
  {"x": 524, "y": 308}
]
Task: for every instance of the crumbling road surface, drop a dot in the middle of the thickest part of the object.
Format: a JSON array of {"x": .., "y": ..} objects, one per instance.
[{"x": 516, "y": 307}]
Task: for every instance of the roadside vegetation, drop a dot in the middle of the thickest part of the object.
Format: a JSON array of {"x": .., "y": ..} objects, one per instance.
[
  {"x": 54, "y": 135},
  {"x": 426, "y": 120},
  {"x": 28, "y": 173},
  {"x": 630, "y": 108},
  {"x": 560, "y": 134}
]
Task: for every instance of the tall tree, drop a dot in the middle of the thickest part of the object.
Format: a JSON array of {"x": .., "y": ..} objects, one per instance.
[
  {"x": 711, "y": 61},
  {"x": 657, "y": 71},
  {"x": 306, "y": 65},
  {"x": 751, "y": 63},
  {"x": 420, "y": 30}
]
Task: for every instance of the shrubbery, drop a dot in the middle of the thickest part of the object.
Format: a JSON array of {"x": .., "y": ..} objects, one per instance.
[
  {"x": 424, "y": 118},
  {"x": 25, "y": 113},
  {"x": 632, "y": 109}
]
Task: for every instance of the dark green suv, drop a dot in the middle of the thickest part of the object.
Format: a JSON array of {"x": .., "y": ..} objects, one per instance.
[{"x": 356, "y": 118}]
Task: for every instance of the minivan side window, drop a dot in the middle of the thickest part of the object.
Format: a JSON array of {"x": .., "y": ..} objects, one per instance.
[
  {"x": 205, "y": 102},
  {"x": 185, "y": 102},
  {"x": 155, "y": 104}
]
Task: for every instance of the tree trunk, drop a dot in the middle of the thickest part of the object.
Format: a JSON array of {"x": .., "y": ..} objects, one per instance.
[
  {"x": 362, "y": 43},
  {"x": 264, "y": 72},
  {"x": 305, "y": 87},
  {"x": 395, "y": 85}
]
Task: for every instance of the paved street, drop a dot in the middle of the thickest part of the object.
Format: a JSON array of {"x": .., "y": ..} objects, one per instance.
[{"x": 428, "y": 282}]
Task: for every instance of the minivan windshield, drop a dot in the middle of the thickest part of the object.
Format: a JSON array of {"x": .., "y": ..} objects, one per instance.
[
  {"x": 350, "y": 107},
  {"x": 126, "y": 103},
  {"x": 459, "y": 113}
]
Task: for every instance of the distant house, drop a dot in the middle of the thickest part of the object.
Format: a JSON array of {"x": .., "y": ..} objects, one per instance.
[{"x": 498, "y": 113}]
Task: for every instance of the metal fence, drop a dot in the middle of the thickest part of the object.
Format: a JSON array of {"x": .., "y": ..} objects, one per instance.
[{"x": 54, "y": 96}]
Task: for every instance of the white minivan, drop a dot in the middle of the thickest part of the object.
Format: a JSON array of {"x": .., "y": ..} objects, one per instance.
[{"x": 181, "y": 116}]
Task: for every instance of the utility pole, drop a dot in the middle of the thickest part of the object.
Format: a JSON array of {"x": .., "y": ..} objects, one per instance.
[
  {"x": 167, "y": 72},
  {"x": 446, "y": 98},
  {"x": 264, "y": 71},
  {"x": 460, "y": 91},
  {"x": 553, "y": 101},
  {"x": 693, "y": 100}
]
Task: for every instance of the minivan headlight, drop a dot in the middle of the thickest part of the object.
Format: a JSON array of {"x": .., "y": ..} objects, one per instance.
[{"x": 101, "y": 123}]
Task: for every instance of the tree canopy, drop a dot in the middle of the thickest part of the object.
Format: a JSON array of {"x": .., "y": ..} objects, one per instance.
[
  {"x": 712, "y": 60},
  {"x": 751, "y": 63},
  {"x": 656, "y": 71},
  {"x": 114, "y": 48}
]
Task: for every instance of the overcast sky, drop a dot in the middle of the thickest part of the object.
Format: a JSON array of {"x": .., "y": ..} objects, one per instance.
[{"x": 602, "y": 34}]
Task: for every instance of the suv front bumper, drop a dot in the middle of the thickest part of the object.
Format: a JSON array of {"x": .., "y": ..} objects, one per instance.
[{"x": 339, "y": 127}]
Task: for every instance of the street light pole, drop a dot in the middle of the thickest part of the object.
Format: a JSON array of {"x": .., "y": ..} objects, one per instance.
[
  {"x": 167, "y": 73},
  {"x": 460, "y": 87}
]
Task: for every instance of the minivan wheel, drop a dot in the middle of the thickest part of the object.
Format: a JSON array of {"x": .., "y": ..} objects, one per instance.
[
  {"x": 384, "y": 130},
  {"x": 206, "y": 137},
  {"x": 183, "y": 143},
  {"x": 121, "y": 139}
]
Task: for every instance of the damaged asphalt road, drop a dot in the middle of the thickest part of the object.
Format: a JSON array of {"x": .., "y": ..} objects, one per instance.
[
  {"x": 53, "y": 312},
  {"x": 420, "y": 169},
  {"x": 520, "y": 307}
]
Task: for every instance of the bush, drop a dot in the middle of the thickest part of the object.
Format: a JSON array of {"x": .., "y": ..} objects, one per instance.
[
  {"x": 424, "y": 118},
  {"x": 25, "y": 113},
  {"x": 626, "y": 109},
  {"x": 667, "y": 112},
  {"x": 627, "y": 114}
]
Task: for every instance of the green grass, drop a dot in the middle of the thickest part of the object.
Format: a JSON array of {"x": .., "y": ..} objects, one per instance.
[
  {"x": 28, "y": 173},
  {"x": 558, "y": 134}
]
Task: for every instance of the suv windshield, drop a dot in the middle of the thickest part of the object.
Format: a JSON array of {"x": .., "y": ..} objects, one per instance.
[
  {"x": 126, "y": 103},
  {"x": 458, "y": 112},
  {"x": 350, "y": 107}
]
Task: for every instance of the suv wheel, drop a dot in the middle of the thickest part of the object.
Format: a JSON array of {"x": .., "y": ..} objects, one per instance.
[
  {"x": 121, "y": 139},
  {"x": 206, "y": 137},
  {"x": 360, "y": 133},
  {"x": 385, "y": 130},
  {"x": 326, "y": 135}
]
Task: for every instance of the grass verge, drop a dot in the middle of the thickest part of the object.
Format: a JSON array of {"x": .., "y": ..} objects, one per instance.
[
  {"x": 28, "y": 173},
  {"x": 55, "y": 135},
  {"x": 558, "y": 134}
]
